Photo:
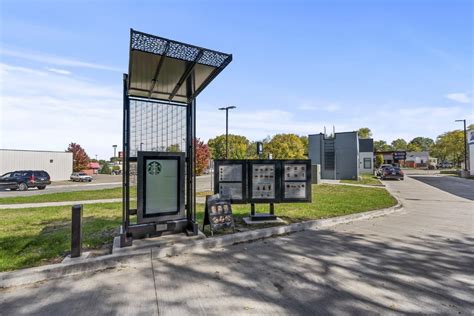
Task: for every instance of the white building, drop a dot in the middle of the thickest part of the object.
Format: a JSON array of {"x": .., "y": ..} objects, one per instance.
[
  {"x": 57, "y": 163},
  {"x": 419, "y": 159}
]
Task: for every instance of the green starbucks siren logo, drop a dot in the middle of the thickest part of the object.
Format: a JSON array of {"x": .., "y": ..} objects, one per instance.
[{"x": 154, "y": 168}]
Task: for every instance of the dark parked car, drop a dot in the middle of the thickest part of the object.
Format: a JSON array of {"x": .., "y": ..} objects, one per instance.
[
  {"x": 393, "y": 173},
  {"x": 24, "y": 179}
]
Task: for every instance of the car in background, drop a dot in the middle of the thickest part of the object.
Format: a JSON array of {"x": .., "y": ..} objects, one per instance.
[
  {"x": 379, "y": 171},
  {"x": 445, "y": 165},
  {"x": 23, "y": 179},
  {"x": 393, "y": 173},
  {"x": 80, "y": 177}
]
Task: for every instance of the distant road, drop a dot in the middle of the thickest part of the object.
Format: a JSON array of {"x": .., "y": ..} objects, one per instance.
[{"x": 203, "y": 183}]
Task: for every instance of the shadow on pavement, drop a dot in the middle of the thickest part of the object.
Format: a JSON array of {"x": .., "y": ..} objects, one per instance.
[
  {"x": 313, "y": 272},
  {"x": 457, "y": 186}
]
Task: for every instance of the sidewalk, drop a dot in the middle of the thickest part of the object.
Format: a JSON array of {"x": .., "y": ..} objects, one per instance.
[{"x": 338, "y": 182}]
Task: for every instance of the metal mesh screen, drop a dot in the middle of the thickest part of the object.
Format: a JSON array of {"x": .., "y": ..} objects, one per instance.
[{"x": 157, "y": 127}]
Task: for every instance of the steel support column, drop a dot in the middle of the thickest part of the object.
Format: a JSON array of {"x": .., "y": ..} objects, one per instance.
[
  {"x": 124, "y": 240},
  {"x": 191, "y": 157}
]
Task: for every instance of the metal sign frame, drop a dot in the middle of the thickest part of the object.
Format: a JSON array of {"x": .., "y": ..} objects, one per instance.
[
  {"x": 142, "y": 216},
  {"x": 306, "y": 182},
  {"x": 276, "y": 180},
  {"x": 247, "y": 167},
  {"x": 243, "y": 181},
  {"x": 174, "y": 73}
]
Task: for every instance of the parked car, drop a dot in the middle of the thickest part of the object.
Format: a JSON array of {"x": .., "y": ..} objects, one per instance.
[
  {"x": 80, "y": 177},
  {"x": 379, "y": 171},
  {"x": 444, "y": 165},
  {"x": 24, "y": 179},
  {"x": 393, "y": 173}
]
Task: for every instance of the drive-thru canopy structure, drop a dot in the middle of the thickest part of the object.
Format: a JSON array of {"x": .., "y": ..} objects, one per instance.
[{"x": 164, "y": 78}]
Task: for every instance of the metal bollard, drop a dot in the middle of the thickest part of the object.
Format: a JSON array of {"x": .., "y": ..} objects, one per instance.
[{"x": 76, "y": 231}]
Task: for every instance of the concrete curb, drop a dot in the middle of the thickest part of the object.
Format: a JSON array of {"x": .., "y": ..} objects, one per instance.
[{"x": 54, "y": 271}]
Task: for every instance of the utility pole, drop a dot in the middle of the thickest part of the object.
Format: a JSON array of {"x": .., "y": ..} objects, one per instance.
[
  {"x": 227, "y": 129},
  {"x": 465, "y": 143}
]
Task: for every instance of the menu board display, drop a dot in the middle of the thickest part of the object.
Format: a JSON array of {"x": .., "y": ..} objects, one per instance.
[
  {"x": 218, "y": 213},
  {"x": 295, "y": 190},
  {"x": 294, "y": 172},
  {"x": 231, "y": 191},
  {"x": 263, "y": 181},
  {"x": 230, "y": 172},
  {"x": 230, "y": 179}
]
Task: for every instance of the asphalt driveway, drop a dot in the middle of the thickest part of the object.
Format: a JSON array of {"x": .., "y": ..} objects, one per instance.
[
  {"x": 458, "y": 186},
  {"x": 419, "y": 260}
]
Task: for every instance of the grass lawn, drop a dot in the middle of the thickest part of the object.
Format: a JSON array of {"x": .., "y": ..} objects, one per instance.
[
  {"x": 69, "y": 196},
  {"x": 367, "y": 179},
  {"x": 35, "y": 236}
]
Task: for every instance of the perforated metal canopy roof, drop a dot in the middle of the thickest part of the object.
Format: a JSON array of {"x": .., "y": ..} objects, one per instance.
[{"x": 159, "y": 67}]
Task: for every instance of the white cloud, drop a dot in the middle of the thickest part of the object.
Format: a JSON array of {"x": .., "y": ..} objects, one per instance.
[
  {"x": 55, "y": 60},
  {"x": 58, "y": 110},
  {"x": 59, "y": 71},
  {"x": 459, "y": 97},
  {"x": 326, "y": 107}
]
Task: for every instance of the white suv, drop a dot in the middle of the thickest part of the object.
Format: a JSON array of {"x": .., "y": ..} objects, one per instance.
[{"x": 81, "y": 177}]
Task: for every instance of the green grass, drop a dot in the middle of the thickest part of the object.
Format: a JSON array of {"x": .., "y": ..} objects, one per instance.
[
  {"x": 69, "y": 196},
  {"x": 34, "y": 236},
  {"x": 367, "y": 179}
]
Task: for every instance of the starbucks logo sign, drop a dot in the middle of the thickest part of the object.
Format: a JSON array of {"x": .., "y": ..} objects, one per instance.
[{"x": 154, "y": 168}]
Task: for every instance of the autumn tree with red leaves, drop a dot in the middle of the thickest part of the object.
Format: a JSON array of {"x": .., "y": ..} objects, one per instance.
[
  {"x": 202, "y": 156},
  {"x": 80, "y": 160}
]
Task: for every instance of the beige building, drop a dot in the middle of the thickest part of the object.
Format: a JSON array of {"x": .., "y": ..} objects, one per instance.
[{"x": 57, "y": 163}]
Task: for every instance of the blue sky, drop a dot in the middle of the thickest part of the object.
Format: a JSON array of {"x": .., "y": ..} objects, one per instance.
[{"x": 297, "y": 66}]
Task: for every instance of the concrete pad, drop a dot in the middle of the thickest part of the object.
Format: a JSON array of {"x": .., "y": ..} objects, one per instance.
[
  {"x": 155, "y": 242},
  {"x": 248, "y": 221},
  {"x": 83, "y": 257}
]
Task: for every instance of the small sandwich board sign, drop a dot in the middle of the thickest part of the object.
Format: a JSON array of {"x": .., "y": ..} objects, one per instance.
[{"x": 218, "y": 213}]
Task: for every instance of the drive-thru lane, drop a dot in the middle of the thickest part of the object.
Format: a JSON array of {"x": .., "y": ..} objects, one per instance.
[{"x": 419, "y": 260}]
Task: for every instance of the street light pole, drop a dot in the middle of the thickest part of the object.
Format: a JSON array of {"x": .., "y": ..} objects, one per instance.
[
  {"x": 465, "y": 143},
  {"x": 227, "y": 129}
]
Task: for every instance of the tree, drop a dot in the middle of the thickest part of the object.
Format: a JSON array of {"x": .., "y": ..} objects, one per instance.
[
  {"x": 420, "y": 144},
  {"x": 378, "y": 160},
  {"x": 399, "y": 144},
  {"x": 105, "y": 169},
  {"x": 449, "y": 146},
  {"x": 381, "y": 145},
  {"x": 238, "y": 146},
  {"x": 285, "y": 146},
  {"x": 80, "y": 159},
  {"x": 305, "y": 141},
  {"x": 252, "y": 151},
  {"x": 364, "y": 132},
  {"x": 202, "y": 156},
  {"x": 174, "y": 148}
]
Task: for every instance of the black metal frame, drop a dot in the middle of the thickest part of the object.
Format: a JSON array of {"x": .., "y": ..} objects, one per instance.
[
  {"x": 166, "y": 48},
  {"x": 142, "y": 216},
  {"x": 307, "y": 181},
  {"x": 247, "y": 170},
  {"x": 243, "y": 182},
  {"x": 277, "y": 182}
]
